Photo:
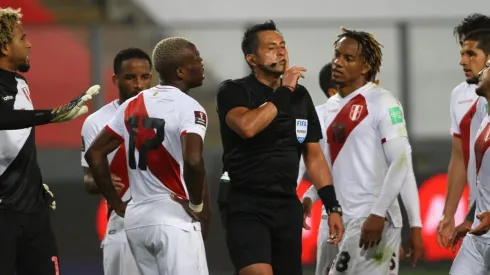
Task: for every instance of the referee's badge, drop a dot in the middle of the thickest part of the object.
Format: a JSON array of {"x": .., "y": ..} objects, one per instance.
[{"x": 301, "y": 129}]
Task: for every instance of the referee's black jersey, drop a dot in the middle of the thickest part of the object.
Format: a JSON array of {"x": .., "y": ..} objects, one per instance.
[
  {"x": 266, "y": 165},
  {"x": 20, "y": 177}
]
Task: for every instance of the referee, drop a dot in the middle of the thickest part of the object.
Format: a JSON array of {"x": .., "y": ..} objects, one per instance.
[
  {"x": 266, "y": 124},
  {"x": 27, "y": 242}
]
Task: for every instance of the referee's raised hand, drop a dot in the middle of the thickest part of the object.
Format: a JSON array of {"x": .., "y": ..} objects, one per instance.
[
  {"x": 291, "y": 75},
  {"x": 76, "y": 107}
]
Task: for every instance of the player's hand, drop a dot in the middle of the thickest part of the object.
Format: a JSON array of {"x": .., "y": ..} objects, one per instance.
[
  {"x": 307, "y": 205},
  {"x": 76, "y": 107},
  {"x": 120, "y": 209},
  {"x": 415, "y": 245},
  {"x": 371, "y": 231},
  {"x": 336, "y": 228},
  {"x": 291, "y": 75},
  {"x": 484, "y": 225},
  {"x": 445, "y": 230},
  {"x": 117, "y": 182},
  {"x": 51, "y": 201},
  {"x": 185, "y": 203},
  {"x": 458, "y": 234},
  {"x": 401, "y": 253}
]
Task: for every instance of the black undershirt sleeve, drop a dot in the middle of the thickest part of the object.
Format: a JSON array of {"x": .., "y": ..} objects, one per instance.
[{"x": 19, "y": 119}]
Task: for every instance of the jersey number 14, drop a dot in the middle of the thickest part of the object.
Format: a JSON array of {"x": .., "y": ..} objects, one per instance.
[{"x": 137, "y": 130}]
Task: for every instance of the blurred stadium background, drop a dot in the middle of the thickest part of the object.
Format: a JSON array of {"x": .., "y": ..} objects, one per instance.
[{"x": 74, "y": 42}]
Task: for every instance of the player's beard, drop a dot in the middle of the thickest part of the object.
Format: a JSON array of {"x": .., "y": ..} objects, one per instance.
[{"x": 24, "y": 68}]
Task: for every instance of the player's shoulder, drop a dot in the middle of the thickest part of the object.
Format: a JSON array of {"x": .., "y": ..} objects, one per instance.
[
  {"x": 463, "y": 90},
  {"x": 321, "y": 109},
  {"x": 233, "y": 85},
  {"x": 103, "y": 115},
  {"x": 379, "y": 97}
]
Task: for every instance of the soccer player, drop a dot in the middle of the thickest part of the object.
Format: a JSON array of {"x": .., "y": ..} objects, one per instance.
[
  {"x": 473, "y": 257},
  {"x": 266, "y": 125},
  {"x": 132, "y": 74},
  {"x": 163, "y": 132},
  {"x": 326, "y": 252},
  {"x": 467, "y": 112},
  {"x": 28, "y": 245},
  {"x": 366, "y": 127}
]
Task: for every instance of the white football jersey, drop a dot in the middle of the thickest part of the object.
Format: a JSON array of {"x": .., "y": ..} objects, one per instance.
[
  {"x": 467, "y": 112},
  {"x": 356, "y": 128},
  {"x": 151, "y": 125},
  {"x": 481, "y": 165},
  {"x": 117, "y": 162}
]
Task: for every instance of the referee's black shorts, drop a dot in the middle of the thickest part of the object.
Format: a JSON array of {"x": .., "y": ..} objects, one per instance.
[
  {"x": 27, "y": 244},
  {"x": 265, "y": 231}
]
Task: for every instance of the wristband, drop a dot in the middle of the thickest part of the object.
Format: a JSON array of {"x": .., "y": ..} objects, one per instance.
[
  {"x": 329, "y": 199},
  {"x": 281, "y": 97},
  {"x": 196, "y": 208}
]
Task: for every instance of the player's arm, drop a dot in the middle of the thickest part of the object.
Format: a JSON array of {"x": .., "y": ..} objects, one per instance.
[
  {"x": 89, "y": 132},
  {"x": 108, "y": 140},
  {"x": 194, "y": 173},
  {"x": 390, "y": 123},
  {"x": 105, "y": 143},
  {"x": 89, "y": 182},
  {"x": 456, "y": 178},
  {"x": 18, "y": 119},
  {"x": 233, "y": 102},
  {"x": 410, "y": 197},
  {"x": 193, "y": 131}
]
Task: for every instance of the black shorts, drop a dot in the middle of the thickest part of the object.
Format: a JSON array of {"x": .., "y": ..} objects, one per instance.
[
  {"x": 28, "y": 246},
  {"x": 265, "y": 232}
]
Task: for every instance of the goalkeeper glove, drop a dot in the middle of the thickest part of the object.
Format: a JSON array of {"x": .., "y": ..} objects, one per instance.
[
  {"x": 51, "y": 202},
  {"x": 76, "y": 107}
]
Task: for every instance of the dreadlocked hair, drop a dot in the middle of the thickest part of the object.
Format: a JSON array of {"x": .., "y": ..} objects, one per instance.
[{"x": 371, "y": 49}]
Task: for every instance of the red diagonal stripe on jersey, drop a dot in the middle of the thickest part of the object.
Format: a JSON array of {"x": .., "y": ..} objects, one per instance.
[
  {"x": 344, "y": 123},
  {"x": 160, "y": 163},
  {"x": 119, "y": 167},
  {"x": 482, "y": 143},
  {"x": 465, "y": 128}
]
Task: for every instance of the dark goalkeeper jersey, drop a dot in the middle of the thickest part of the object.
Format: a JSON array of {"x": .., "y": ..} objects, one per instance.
[
  {"x": 20, "y": 177},
  {"x": 266, "y": 165}
]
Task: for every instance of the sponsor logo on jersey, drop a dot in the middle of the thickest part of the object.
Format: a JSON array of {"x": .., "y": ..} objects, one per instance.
[
  {"x": 301, "y": 129},
  {"x": 355, "y": 112},
  {"x": 396, "y": 115},
  {"x": 6, "y": 98},
  {"x": 200, "y": 118}
]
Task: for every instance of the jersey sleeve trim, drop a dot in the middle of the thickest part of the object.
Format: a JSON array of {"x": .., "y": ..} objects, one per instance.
[
  {"x": 456, "y": 135},
  {"x": 112, "y": 132}
]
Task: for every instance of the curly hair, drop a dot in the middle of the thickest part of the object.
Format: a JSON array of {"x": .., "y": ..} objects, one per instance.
[
  {"x": 371, "y": 49},
  {"x": 167, "y": 55},
  {"x": 9, "y": 18}
]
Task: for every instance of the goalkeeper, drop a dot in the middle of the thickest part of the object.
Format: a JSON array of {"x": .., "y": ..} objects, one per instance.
[{"x": 27, "y": 242}]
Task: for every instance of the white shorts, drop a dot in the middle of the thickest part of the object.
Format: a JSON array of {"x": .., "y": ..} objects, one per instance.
[
  {"x": 167, "y": 249},
  {"x": 473, "y": 258},
  {"x": 325, "y": 252},
  {"x": 118, "y": 259},
  {"x": 380, "y": 260}
]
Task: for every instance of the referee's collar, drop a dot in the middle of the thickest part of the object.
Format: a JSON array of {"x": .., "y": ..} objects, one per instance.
[{"x": 8, "y": 77}]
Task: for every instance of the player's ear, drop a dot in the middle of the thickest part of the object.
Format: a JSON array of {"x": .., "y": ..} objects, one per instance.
[
  {"x": 114, "y": 79},
  {"x": 5, "y": 49},
  {"x": 180, "y": 72},
  {"x": 366, "y": 69}
]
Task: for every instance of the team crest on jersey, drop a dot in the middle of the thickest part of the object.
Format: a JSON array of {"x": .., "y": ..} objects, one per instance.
[
  {"x": 200, "y": 118},
  {"x": 301, "y": 129},
  {"x": 355, "y": 112}
]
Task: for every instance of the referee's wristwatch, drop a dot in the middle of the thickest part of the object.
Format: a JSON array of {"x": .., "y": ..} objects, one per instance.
[{"x": 335, "y": 209}]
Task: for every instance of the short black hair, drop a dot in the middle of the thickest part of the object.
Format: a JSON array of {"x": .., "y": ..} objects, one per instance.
[
  {"x": 129, "y": 53},
  {"x": 482, "y": 36},
  {"x": 326, "y": 79},
  {"x": 471, "y": 23},
  {"x": 250, "y": 40},
  {"x": 371, "y": 49}
]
